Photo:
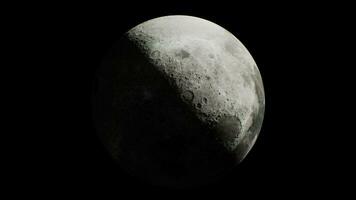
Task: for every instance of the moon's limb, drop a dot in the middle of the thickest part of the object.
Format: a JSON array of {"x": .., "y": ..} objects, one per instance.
[
  {"x": 199, "y": 48},
  {"x": 196, "y": 88}
]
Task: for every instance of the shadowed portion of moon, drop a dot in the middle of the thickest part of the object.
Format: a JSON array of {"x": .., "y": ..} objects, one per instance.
[
  {"x": 169, "y": 116},
  {"x": 157, "y": 138}
]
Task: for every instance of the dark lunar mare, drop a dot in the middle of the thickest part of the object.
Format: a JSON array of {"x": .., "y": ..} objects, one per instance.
[{"x": 149, "y": 130}]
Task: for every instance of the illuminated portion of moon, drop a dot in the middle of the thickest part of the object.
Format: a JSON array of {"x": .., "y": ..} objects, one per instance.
[{"x": 180, "y": 100}]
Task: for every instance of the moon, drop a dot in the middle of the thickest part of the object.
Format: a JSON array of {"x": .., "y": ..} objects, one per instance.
[{"x": 179, "y": 101}]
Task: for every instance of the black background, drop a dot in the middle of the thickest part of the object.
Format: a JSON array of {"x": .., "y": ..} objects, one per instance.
[{"x": 291, "y": 46}]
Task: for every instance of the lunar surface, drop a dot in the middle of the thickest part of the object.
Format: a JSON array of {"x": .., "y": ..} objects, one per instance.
[{"x": 179, "y": 101}]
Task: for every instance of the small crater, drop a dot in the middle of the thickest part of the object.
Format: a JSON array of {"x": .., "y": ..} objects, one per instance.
[
  {"x": 183, "y": 54},
  {"x": 188, "y": 96},
  {"x": 155, "y": 54},
  {"x": 247, "y": 80},
  {"x": 205, "y": 115},
  {"x": 205, "y": 100},
  {"x": 216, "y": 118},
  {"x": 228, "y": 128},
  {"x": 199, "y": 105},
  {"x": 158, "y": 61}
]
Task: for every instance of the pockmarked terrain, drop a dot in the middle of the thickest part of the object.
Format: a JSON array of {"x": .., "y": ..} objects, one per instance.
[{"x": 179, "y": 101}]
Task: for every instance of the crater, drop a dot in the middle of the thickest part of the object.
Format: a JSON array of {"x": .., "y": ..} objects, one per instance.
[
  {"x": 155, "y": 54},
  {"x": 188, "y": 96},
  {"x": 199, "y": 105},
  {"x": 247, "y": 80},
  {"x": 183, "y": 54},
  {"x": 228, "y": 129},
  {"x": 205, "y": 100}
]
